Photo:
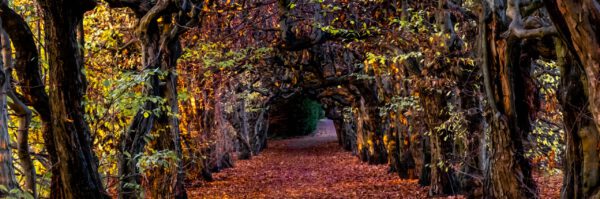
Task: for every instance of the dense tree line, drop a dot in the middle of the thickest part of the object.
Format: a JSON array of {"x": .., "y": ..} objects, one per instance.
[{"x": 136, "y": 97}]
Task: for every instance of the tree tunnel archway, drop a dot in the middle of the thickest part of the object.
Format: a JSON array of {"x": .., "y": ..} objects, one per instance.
[
  {"x": 440, "y": 90},
  {"x": 294, "y": 116}
]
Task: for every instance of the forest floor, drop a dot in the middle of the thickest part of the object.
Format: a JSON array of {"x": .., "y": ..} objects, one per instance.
[{"x": 312, "y": 167}]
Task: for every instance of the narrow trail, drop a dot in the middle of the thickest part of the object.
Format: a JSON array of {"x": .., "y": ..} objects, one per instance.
[{"x": 307, "y": 167}]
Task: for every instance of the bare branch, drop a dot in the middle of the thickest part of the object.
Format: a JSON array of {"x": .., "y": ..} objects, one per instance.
[{"x": 516, "y": 27}]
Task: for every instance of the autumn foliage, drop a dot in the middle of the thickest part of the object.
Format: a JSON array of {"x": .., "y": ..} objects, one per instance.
[{"x": 191, "y": 99}]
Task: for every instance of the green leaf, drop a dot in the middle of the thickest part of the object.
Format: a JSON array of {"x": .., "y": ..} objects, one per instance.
[
  {"x": 28, "y": 195},
  {"x": 3, "y": 189},
  {"x": 14, "y": 191}
]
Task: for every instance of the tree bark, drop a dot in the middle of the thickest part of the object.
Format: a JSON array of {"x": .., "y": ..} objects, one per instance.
[
  {"x": 578, "y": 25},
  {"x": 474, "y": 152},
  {"x": 443, "y": 179},
  {"x": 243, "y": 131},
  {"x": 77, "y": 164},
  {"x": 168, "y": 122},
  {"x": 425, "y": 174},
  {"x": 261, "y": 127},
  {"x": 581, "y": 164},
  {"x": 369, "y": 134},
  {"x": 160, "y": 49},
  {"x": 7, "y": 172},
  {"x": 24, "y": 115},
  {"x": 133, "y": 142},
  {"x": 165, "y": 123},
  {"x": 32, "y": 87},
  {"x": 336, "y": 116},
  {"x": 508, "y": 174}
]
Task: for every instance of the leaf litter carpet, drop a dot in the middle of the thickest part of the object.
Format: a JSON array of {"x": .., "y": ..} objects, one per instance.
[{"x": 308, "y": 167}]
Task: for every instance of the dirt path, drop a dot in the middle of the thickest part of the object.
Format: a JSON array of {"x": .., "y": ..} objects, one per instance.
[{"x": 307, "y": 167}]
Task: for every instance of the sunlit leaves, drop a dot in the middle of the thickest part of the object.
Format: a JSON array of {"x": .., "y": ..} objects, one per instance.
[
  {"x": 15, "y": 193},
  {"x": 164, "y": 159}
]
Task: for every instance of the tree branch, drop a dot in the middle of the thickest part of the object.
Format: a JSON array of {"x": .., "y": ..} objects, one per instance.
[{"x": 516, "y": 27}]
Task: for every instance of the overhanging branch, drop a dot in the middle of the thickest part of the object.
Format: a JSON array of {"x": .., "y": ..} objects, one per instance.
[{"x": 516, "y": 27}]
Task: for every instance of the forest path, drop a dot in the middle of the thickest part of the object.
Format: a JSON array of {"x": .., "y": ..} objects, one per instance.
[{"x": 307, "y": 167}]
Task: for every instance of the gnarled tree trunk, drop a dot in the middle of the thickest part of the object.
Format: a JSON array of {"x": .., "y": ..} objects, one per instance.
[
  {"x": 581, "y": 165},
  {"x": 168, "y": 125},
  {"x": 23, "y": 113},
  {"x": 578, "y": 23},
  {"x": 443, "y": 180},
  {"x": 508, "y": 174},
  {"x": 77, "y": 164},
  {"x": 7, "y": 172},
  {"x": 132, "y": 141},
  {"x": 162, "y": 56},
  {"x": 33, "y": 91},
  {"x": 369, "y": 132}
]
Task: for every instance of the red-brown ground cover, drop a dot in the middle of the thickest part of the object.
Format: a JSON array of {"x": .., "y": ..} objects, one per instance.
[{"x": 316, "y": 167}]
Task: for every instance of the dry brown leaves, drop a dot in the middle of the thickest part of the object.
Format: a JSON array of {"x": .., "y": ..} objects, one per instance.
[
  {"x": 316, "y": 167},
  {"x": 549, "y": 186},
  {"x": 309, "y": 167}
]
